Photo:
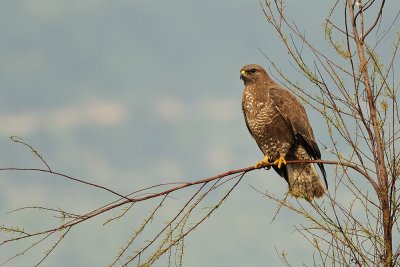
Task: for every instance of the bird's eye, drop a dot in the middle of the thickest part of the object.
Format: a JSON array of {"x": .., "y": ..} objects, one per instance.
[{"x": 253, "y": 70}]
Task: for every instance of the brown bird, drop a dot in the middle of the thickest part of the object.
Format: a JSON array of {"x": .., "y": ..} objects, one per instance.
[{"x": 279, "y": 124}]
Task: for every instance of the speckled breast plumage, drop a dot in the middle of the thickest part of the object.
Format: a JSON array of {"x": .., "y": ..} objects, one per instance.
[{"x": 265, "y": 124}]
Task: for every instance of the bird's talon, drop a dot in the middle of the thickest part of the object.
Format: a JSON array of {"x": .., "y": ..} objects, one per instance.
[
  {"x": 264, "y": 162},
  {"x": 280, "y": 161}
]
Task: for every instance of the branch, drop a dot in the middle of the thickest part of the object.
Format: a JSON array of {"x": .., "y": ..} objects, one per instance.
[
  {"x": 203, "y": 181},
  {"x": 126, "y": 199},
  {"x": 64, "y": 176},
  {"x": 134, "y": 197},
  {"x": 375, "y": 22}
]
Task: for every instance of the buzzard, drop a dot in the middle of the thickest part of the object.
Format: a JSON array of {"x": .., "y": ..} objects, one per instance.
[{"x": 279, "y": 124}]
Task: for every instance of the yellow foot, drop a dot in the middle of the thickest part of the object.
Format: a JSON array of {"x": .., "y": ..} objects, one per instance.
[
  {"x": 262, "y": 163},
  {"x": 280, "y": 161}
]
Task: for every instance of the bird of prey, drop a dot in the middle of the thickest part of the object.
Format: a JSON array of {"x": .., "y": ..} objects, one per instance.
[{"x": 279, "y": 124}]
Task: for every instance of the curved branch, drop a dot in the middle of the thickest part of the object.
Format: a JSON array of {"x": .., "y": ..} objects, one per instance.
[
  {"x": 125, "y": 199},
  {"x": 64, "y": 176},
  {"x": 375, "y": 22},
  {"x": 202, "y": 181}
]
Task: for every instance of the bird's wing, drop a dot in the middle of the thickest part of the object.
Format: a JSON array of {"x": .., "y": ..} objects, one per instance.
[{"x": 294, "y": 114}]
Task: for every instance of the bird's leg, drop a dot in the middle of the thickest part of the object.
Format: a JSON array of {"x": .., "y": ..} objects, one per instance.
[
  {"x": 263, "y": 162},
  {"x": 280, "y": 161}
]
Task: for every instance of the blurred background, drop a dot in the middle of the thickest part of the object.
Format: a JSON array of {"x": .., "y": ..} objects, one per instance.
[{"x": 128, "y": 94}]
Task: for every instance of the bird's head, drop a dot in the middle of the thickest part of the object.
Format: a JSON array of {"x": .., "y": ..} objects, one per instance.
[{"x": 253, "y": 73}]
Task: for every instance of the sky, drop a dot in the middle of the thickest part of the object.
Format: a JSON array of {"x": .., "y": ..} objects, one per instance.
[{"x": 129, "y": 94}]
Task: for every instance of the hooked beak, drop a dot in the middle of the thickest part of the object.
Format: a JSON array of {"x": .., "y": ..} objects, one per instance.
[{"x": 242, "y": 74}]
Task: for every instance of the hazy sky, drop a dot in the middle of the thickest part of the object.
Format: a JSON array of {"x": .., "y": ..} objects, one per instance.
[{"x": 129, "y": 94}]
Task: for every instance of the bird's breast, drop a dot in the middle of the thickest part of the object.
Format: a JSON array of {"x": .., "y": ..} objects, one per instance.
[
  {"x": 264, "y": 122},
  {"x": 258, "y": 113}
]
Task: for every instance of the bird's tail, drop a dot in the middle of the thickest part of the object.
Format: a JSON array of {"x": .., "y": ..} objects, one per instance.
[{"x": 304, "y": 181}]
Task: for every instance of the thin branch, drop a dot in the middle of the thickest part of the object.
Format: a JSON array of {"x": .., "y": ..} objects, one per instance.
[{"x": 378, "y": 17}]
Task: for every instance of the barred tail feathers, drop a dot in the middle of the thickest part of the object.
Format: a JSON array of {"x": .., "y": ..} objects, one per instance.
[{"x": 304, "y": 181}]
